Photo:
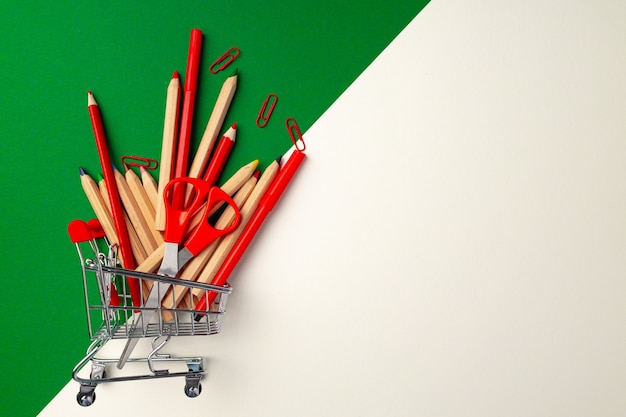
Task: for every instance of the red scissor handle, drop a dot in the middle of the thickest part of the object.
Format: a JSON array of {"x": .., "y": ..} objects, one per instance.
[
  {"x": 176, "y": 220},
  {"x": 204, "y": 233}
]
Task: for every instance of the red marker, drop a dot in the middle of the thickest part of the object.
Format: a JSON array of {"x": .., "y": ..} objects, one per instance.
[
  {"x": 267, "y": 203},
  {"x": 221, "y": 155},
  {"x": 117, "y": 211},
  {"x": 186, "y": 119}
]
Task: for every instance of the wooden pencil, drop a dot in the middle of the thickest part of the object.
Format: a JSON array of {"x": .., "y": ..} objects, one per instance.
[
  {"x": 134, "y": 214},
  {"x": 143, "y": 202},
  {"x": 168, "y": 153},
  {"x": 213, "y": 127},
  {"x": 152, "y": 262},
  {"x": 195, "y": 266},
  {"x": 150, "y": 185},
  {"x": 125, "y": 249},
  {"x": 139, "y": 251},
  {"x": 98, "y": 205},
  {"x": 229, "y": 240}
]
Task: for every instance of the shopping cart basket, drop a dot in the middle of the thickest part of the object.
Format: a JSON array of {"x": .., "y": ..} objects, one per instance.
[{"x": 111, "y": 315}]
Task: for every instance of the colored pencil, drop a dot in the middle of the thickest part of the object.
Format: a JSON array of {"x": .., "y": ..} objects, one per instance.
[
  {"x": 186, "y": 119},
  {"x": 213, "y": 127},
  {"x": 117, "y": 211},
  {"x": 195, "y": 266},
  {"x": 221, "y": 154},
  {"x": 168, "y": 150},
  {"x": 246, "y": 212},
  {"x": 265, "y": 206}
]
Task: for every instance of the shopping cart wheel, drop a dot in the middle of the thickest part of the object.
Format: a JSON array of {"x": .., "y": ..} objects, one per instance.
[
  {"x": 86, "y": 396},
  {"x": 193, "y": 387}
]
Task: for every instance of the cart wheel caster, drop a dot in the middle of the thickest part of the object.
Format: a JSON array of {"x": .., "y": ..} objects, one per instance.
[
  {"x": 192, "y": 391},
  {"x": 87, "y": 398}
]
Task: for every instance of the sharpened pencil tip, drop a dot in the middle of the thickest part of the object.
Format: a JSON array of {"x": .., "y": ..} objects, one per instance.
[
  {"x": 100, "y": 177},
  {"x": 82, "y": 171},
  {"x": 91, "y": 101},
  {"x": 255, "y": 164},
  {"x": 142, "y": 169},
  {"x": 175, "y": 75},
  {"x": 234, "y": 73},
  {"x": 234, "y": 126},
  {"x": 257, "y": 174}
]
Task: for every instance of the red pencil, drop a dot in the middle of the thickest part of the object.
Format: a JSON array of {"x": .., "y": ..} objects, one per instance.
[
  {"x": 221, "y": 155},
  {"x": 117, "y": 211},
  {"x": 186, "y": 119},
  {"x": 267, "y": 203}
]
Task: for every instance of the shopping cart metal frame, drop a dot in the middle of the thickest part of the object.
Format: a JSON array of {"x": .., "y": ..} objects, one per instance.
[{"x": 106, "y": 321}]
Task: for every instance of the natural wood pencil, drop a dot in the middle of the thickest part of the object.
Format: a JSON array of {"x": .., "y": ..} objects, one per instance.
[
  {"x": 134, "y": 213},
  {"x": 213, "y": 127},
  {"x": 143, "y": 202},
  {"x": 139, "y": 251},
  {"x": 98, "y": 205},
  {"x": 229, "y": 240},
  {"x": 170, "y": 132},
  {"x": 150, "y": 185},
  {"x": 195, "y": 266}
]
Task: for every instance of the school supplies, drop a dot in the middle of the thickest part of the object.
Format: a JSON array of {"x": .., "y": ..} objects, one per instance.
[
  {"x": 267, "y": 203},
  {"x": 186, "y": 116},
  {"x": 221, "y": 155},
  {"x": 222, "y": 104},
  {"x": 117, "y": 212},
  {"x": 181, "y": 237},
  {"x": 168, "y": 154}
]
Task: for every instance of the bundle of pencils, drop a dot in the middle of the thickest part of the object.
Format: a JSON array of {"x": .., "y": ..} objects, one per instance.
[{"x": 131, "y": 208}]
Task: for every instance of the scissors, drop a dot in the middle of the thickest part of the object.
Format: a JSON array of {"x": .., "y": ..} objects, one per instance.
[{"x": 177, "y": 222}]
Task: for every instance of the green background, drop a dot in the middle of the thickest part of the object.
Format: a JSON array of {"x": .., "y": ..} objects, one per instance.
[{"x": 306, "y": 52}]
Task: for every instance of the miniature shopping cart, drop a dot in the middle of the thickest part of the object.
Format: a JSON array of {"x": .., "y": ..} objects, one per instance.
[{"x": 112, "y": 315}]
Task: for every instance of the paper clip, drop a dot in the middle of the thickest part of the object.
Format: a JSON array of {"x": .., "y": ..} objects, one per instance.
[
  {"x": 225, "y": 60},
  {"x": 139, "y": 161},
  {"x": 295, "y": 133},
  {"x": 265, "y": 113}
]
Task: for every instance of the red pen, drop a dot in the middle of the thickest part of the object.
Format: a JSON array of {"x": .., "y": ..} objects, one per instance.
[
  {"x": 267, "y": 203},
  {"x": 117, "y": 211},
  {"x": 186, "y": 119},
  {"x": 221, "y": 155}
]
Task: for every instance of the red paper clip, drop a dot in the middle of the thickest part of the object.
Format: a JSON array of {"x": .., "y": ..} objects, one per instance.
[
  {"x": 265, "y": 113},
  {"x": 225, "y": 60},
  {"x": 139, "y": 161},
  {"x": 295, "y": 134}
]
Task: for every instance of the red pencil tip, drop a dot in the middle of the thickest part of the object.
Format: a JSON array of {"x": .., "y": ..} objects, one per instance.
[
  {"x": 234, "y": 125},
  {"x": 175, "y": 75},
  {"x": 257, "y": 174}
]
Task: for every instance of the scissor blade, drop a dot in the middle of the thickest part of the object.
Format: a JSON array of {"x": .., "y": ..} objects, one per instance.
[
  {"x": 148, "y": 316},
  {"x": 183, "y": 257},
  {"x": 169, "y": 265}
]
